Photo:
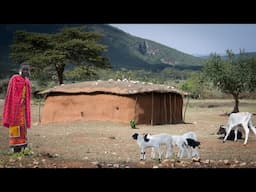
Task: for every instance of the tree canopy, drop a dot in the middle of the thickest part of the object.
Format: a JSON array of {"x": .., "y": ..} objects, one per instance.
[
  {"x": 48, "y": 53},
  {"x": 233, "y": 75}
]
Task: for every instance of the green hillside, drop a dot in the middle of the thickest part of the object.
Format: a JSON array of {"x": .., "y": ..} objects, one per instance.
[{"x": 124, "y": 50}]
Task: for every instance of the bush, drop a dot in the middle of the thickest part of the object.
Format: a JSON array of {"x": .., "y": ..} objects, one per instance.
[{"x": 133, "y": 124}]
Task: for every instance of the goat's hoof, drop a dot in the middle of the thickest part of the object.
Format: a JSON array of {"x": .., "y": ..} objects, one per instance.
[
  {"x": 245, "y": 145},
  {"x": 223, "y": 141}
]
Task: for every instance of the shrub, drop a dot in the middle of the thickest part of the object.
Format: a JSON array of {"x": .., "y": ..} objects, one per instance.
[{"x": 133, "y": 124}]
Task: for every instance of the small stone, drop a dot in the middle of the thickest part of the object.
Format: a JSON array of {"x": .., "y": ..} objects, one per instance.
[
  {"x": 207, "y": 161},
  {"x": 243, "y": 164},
  {"x": 226, "y": 162},
  {"x": 95, "y": 162},
  {"x": 142, "y": 162}
]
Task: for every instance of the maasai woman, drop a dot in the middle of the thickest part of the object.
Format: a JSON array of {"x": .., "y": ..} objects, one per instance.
[{"x": 16, "y": 111}]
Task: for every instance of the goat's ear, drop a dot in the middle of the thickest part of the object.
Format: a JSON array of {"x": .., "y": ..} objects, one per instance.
[
  {"x": 145, "y": 138},
  {"x": 135, "y": 136}
]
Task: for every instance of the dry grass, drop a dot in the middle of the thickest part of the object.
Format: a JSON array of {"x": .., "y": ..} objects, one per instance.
[{"x": 78, "y": 143}]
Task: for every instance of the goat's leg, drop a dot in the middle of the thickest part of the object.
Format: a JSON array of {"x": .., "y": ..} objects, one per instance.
[
  {"x": 181, "y": 152},
  {"x": 235, "y": 131},
  {"x": 228, "y": 132},
  {"x": 178, "y": 154},
  {"x": 195, "y": 152},
  {"x": 153, "y": 154},
  {"x": 168, "y": 151},
  {"x": 188, "y": 151},
  {"x": 159, "y": 152},
  {"x": 246, "y": 131},
  {"x": 142, "y": 154}
]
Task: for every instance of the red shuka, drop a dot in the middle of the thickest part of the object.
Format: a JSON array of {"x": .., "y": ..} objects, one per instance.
[{"x": 13, "y": 100}]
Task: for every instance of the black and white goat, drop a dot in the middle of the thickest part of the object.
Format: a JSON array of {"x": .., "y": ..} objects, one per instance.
[
  {"x": 193, "y": 143},
  {"x": 154, "y": 141},
  {"x": 242, "y": 118},
  {"x": 186, "y": 143},
  {"x": 231, "y": 136}
]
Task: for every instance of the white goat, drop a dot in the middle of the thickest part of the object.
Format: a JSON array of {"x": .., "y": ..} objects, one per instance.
[
  {"x": 182, "y": 144},
  {"x": 154, "y": 141},
  {"x": 186, "y": 143},
  {"x": 242, "y": 118}
]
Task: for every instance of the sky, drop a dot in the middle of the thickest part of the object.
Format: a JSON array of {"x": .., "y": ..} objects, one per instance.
[{"x": 197, "y": 39}]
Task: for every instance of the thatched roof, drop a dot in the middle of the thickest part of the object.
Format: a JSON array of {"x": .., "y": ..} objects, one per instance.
[{"x": 124, "y": 87}]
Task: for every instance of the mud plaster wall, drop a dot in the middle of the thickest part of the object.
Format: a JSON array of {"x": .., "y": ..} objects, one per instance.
[
  {"x": 108, "y": 107},
  {"x": 104, "y": 107}
]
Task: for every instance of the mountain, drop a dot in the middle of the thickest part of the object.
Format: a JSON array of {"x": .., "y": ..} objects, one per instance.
[{"x": 124, "y": 50}]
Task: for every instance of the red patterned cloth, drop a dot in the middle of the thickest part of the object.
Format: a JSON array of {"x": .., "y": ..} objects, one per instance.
[{"x": 13, "y": 102}]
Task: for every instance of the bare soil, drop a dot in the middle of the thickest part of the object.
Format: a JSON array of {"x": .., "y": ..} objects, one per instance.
[{"x": 95, "y": 144}]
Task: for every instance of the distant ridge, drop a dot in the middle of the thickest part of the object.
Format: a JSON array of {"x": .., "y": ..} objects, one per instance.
[{"x": 124, "y": 50}]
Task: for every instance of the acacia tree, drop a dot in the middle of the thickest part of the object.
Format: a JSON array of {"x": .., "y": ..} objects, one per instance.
[
  {"x": 234, "y": 75},
  {"x": 48, "y": 52}
]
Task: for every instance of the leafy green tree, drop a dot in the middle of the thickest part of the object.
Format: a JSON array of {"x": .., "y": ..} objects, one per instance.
[
  {"x": 194, "y": 85},
  {"x": 82, "y": 73},
  {"x": 55, "y": 51},
  {"x": 234, "y": 75}
]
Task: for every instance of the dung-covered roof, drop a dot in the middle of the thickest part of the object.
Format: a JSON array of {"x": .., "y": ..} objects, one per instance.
[{"x": 124, "y": 87}]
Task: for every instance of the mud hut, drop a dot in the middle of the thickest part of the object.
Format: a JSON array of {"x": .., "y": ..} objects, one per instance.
[{"x": 116, "y": 101}]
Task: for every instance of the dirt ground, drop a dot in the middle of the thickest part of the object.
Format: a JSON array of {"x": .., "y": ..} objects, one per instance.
[{"x": 97, "y": 144}]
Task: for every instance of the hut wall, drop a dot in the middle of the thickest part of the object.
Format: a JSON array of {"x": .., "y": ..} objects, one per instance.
[
  {"x": 104, "y": 107},
  {"x": 162, "y": 108}
]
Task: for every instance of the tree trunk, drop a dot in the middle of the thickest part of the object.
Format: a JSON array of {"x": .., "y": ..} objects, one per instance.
[
  {"x": 236, "y": 108},
  {"x": 60, "y": 71}
]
